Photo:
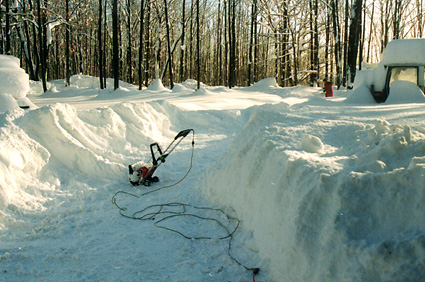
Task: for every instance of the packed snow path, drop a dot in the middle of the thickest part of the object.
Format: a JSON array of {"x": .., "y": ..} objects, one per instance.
[
  {"x": 326, "y": 189},
  {"x": 59, "y": 221}
]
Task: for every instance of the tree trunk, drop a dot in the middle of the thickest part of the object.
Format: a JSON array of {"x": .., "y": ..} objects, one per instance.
[
  {"x": 142, "y": 14},
  {"x": 198, "y": 49},
  {"x": 419, "y": 7},
  {"x": 232, "y": 42},
  {"x": 314, "y": 42},
  {"x": 7, "y": 49},
  {"x": 147, "y": 42},
  {"x": 251, "y": 40},
  {"x": 286, "y": 62},
  {"x": 255, "y": 78},
  {"x": 99, "y": 34},
  {"x": 182, "y": 43},
  {"x": 398, "y": 10},
  {"x": 370, "y": 28},
  {"x": 347, "y": 13},
  {"x": 67, "y": 45},
  {"x": 170, "y": 65},
  {"x": 353, "y": 40},
  {"x": 337, "y": 39},
  {"x": 41, "y": 37},
  {"x": 363, "y": 36},
  {"x": 26, "y": 45},
  {"x": 1, "y": 34},
  {"x": 129, "y": 43},
  {"x": 226, "y": 42},
  {"x": 327, "y": 41},
  {"x": 115, "y": 60},
  {"x": 218, "y": 46},
  {"x": 105, "y": 21}
]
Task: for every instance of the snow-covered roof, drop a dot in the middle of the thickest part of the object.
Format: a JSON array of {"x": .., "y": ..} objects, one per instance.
[{"x": 405, "y": 51}]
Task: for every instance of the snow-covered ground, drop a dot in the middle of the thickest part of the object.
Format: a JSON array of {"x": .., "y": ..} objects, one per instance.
[{"x": 326, "y": 189}]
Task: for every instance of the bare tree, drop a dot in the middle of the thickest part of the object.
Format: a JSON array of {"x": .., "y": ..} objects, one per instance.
[
  {"x": 354, "y": 38},
  {"x": 167, "y": 25},
  {"x": 198, "y": 48},
  {"x": 337, "y": 40},
  {"x": 142, "y": 14},
  {"x": 7, "y": 50},
  {"x": 115, "y": 61},
  {"x": 99, "y": 38}
]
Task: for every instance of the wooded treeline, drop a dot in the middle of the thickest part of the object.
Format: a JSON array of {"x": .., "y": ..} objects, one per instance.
[{"x": 217, "y": 42}]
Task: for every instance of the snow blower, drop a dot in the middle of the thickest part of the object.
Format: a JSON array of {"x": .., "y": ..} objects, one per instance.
[{"x": 141, "y": 173}]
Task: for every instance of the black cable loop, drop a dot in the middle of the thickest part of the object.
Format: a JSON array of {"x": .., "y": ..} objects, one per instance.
[{"x": 173, "y": 214}]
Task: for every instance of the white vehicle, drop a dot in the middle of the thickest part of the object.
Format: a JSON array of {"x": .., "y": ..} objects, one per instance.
[{"x": 402, "y": 60}]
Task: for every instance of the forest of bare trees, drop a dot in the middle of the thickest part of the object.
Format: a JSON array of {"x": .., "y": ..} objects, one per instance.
[{"x": 217, "y": 42}]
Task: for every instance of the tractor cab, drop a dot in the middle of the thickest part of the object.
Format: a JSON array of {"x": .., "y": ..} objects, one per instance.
[{"x": 409, "y": 72}]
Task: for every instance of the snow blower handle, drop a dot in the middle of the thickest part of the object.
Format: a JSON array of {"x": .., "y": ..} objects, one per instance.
[
  {"x": 155, "y": 160},
  {"x": 183, "y": 133}
]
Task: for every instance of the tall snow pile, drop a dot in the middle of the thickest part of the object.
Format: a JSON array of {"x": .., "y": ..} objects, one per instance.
[
  {"x": 328, "y": 200},
  {"x": 40, "y": 148},
  {"x": 14, "y": 85},
  {"x": 14, "y": 80}
]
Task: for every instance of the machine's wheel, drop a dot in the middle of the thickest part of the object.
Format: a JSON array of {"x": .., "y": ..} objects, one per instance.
[
  {"x": 147, "y": 182},
  {"x": 155, "y": 179}
]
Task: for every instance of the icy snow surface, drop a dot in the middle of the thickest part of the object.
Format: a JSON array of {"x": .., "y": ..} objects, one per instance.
[{"x": 327, "y": 189}]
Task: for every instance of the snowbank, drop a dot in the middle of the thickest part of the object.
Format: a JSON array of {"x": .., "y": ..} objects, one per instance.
[
  {"x": 7, "y": 103},
  {"x": 327, "y": 201},
  {"x": 14, "y": 80},
  {"x": 264, "y": 84},
  {"x": 94, "y": 143},
  {"x": 157, "y": 85},
  {"x": 405, "y": 92},
  {"x": 21, "y": 161}
]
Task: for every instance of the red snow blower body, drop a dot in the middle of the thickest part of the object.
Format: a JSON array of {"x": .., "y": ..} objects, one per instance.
[{"x": 141, "y": 173}]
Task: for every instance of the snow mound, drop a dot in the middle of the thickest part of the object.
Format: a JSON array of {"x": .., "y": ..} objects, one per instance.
[
  {"x": 264, "y": 84},
  {"x": 203, "y": 91},
  {"x": 7, "y": 103},
  {"x": 405, "y": 92},
  {"x": 178, "y": 88},
  {"x": 312, "y": 144},
  {"x": 192, "y": 84},
  {"x": 14, "y": 80},
  {"x": 157, "y": 85},
  {"x": 360, "y": 95},
  {"x": 328, "y": 216},
  {"x": 21, "y": 161},
  {"x": 97, "y": 143},
  {"x": 87, "y": 81},
  {"x": 84, "y": 81},
  {"x": 72, "y": 143}
]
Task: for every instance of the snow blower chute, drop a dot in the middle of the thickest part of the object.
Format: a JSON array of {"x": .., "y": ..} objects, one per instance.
[{"x": 142, "y": 173}]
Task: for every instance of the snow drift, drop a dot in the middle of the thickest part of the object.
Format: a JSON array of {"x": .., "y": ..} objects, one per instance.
[
  {"x": 14, "y": 80},
  {"x": 94, "y": 143},
  {"x": 328, "y": 200}
]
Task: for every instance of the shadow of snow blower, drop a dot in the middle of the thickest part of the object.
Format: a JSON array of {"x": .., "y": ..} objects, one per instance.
[{"x": 141, "y": 173}]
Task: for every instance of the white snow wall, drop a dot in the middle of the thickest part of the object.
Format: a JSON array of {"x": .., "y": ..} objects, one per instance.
[
  {"x": 44, "y": 148},
  {"x": 327, "y": 201}
]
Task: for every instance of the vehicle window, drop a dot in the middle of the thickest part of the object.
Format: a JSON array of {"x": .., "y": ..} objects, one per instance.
[{"x": 405, "y": 74}]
